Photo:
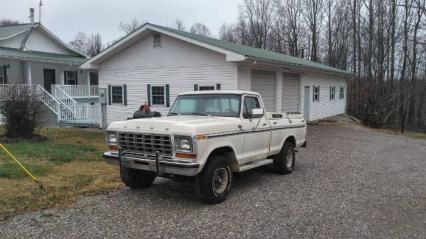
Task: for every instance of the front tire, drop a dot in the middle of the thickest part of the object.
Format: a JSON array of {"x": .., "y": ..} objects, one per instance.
[
  {"x": 285, "y": 160},
  {"x": 136, "y": 179},
  {"x": 214, "y": 182}
]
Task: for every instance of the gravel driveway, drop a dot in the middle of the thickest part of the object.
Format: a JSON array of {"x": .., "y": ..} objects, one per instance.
[{"x": 348, "y": 183}]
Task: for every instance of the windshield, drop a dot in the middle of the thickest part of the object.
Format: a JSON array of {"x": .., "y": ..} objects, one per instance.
[{"x": 226, "y": 105}]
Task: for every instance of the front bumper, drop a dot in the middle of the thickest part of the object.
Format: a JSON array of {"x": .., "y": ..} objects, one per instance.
[{"x": 165, "y": 166}]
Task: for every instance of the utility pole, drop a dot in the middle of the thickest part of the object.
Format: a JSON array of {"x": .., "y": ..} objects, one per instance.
[{"x": 39, "y": 11}]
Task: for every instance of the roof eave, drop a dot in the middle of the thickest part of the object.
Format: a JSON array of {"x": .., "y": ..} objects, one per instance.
[
  {"x": 302, "y": 67},
  {"x": 93, "y": 63}
]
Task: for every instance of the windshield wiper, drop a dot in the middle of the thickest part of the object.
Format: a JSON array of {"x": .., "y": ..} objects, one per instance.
[
  {"x": 173, "y": 113},
  {"x": 200, "y": 113}
]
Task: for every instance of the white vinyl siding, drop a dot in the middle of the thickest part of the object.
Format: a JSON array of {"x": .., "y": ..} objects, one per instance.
[
  {"x": 263, "y": 82},
  {"x": 290, "y": 93},
  {"x": 324, "y": 108},
  {"x": 179, "y": 64}
]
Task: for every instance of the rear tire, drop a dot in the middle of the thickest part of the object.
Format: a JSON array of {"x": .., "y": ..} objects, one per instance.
[
  {"x": 136, "y": 179},
  {"x": 285, "y": 160},
  {"x": 213, "y": 184}
]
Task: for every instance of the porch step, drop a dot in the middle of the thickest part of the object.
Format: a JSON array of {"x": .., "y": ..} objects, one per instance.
[{"x": 255, "y": 164}]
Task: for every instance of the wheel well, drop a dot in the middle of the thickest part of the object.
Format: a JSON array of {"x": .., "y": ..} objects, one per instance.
[
  {"x": 291, "y": 139},
  {"x": 229, "y": 154}
]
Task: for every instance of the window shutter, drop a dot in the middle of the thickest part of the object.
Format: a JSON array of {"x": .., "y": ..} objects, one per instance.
[
  {"x": 217, "y": 86},
  {"x": 313, "y": 93},
  {"x": 319, "y": 93},
  {"x": 195, "y": 87},
  {"x": 167, "y": 96},
  {"x": 109, "y": 95},
  {"x": 5, "y": 74},
  {"x": 148, "y": 92},
  {"x": 125, "y": 94}
]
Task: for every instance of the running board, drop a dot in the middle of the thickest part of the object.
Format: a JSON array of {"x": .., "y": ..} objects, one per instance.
[{"x": 255, "y": 164}]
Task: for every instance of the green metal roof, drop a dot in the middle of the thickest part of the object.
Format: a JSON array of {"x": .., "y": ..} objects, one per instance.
[
  {"x": 256, "y": 53},
  {"x": 12, "y": 53},
  {"x": 6, "y": 31}
]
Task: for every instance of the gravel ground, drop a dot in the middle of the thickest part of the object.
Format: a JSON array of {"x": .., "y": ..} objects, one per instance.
[{"x": 348, "y": 183}]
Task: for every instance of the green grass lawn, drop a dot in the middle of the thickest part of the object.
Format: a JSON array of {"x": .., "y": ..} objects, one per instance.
[{"x": 69, "y": 164}]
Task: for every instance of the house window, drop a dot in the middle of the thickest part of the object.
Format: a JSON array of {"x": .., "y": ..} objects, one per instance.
[
  {"x": 157, "y": 40},
  {"x": 206, "y": 87},
  {"x": 3, "y": 77},
  {"x": 70, "y": 78},
  {"x": 117, "y": 94},
  {"x": 316, "y": 93},
  {"x": 342, "y": 93},
  {"x": 332, "y": 92},
  {"x": 158, "y": 95}
]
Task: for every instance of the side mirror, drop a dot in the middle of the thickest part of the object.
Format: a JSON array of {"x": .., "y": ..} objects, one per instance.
[{"x": 257, "y": 113}]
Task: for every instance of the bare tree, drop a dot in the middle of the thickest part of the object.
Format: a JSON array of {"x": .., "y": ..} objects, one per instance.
[
  {"x": 90, "y": 46},
  {"x": 200, "y": 29},
  {"x": 79, "y": 42},
  {"x": 130, "y": 27},
  {"x": 313, "y": 14},
  {"x": 179, "y": 25},
  {"x": 94, "y": 45},
  {"x": 258, "y": 14},
  {"x": 8, "y": 22},
  {"x": 228, "y": 33}
]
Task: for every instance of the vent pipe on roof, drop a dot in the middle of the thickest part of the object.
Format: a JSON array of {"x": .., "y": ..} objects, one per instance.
[{"x": 32, "y": 15}]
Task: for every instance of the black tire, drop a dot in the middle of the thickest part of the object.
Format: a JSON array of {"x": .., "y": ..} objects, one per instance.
[
  {"x": 285, "y": 160},
  {"x": 214, "y": 183},
  {"x": 136, "y": 179}
]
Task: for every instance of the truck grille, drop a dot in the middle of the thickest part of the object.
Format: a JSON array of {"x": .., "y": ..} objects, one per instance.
[{"x": 145, "y": 143}]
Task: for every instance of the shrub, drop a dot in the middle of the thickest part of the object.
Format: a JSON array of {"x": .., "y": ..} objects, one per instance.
[{"x": 21, "y": 107}]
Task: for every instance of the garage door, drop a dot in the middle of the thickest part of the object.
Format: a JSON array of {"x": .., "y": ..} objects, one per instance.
[
  {"x": 290, "y": 97},
  {"x": 263, "y": 82}
]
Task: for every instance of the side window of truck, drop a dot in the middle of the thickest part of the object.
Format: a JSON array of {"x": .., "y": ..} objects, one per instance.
[{"x": 250, "y": 102}]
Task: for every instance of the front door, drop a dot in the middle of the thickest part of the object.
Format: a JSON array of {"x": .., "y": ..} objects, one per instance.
[
  {"x": 306, "y": 102},
  {"x": 256, "y": 135},
  {"x": 49, "y": 79}
]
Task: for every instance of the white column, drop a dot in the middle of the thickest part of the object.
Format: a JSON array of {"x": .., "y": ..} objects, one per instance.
[
  {"x": 62, "y": 78},
  {"x": 278, "y": 90},
  {"x": 29, "y": 81},
  {"x": 88, "y": 77}
]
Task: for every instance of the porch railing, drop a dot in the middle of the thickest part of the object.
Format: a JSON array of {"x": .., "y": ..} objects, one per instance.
[
  {"x": 81, "y": 113},
  {"x": 80, "y": 91}
]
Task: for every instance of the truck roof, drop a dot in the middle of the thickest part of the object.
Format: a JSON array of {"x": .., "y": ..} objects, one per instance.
[{"x": 235, "y": 92}]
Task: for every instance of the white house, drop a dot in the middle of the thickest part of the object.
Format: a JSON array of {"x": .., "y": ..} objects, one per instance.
[
  {"x": 155, "y": 63},
  {"x": 32, "y": 56}
]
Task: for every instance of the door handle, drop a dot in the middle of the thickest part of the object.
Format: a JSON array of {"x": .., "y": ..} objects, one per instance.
[{"x": 275, "y": 123}]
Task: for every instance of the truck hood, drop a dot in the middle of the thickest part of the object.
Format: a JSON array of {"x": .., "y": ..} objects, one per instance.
[{"x": 178, "y": 125}]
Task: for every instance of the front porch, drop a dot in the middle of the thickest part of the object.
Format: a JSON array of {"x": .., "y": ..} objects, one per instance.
[
  {"x": 65, "y": 101},
  {"x": 70, "y": 93}
]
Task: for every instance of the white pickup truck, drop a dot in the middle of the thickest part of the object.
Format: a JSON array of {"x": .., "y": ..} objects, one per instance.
[{"x": 207, "y": 136}]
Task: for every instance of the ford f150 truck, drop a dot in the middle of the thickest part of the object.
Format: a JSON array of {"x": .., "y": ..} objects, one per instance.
[{"x": 207, "y": 136}]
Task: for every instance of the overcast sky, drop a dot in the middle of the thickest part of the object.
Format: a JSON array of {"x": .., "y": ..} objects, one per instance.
[{"x": 66, "y": 17}]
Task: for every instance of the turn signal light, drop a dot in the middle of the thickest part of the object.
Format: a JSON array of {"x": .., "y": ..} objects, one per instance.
[
  {"x": 186, "y": 156},
  {"x": 114, "y": 148}
]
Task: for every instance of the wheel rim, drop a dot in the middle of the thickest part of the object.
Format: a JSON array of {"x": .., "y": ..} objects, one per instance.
[
  {"x": 289, "y": 159},
  {"x": 220, "y": 180}
]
